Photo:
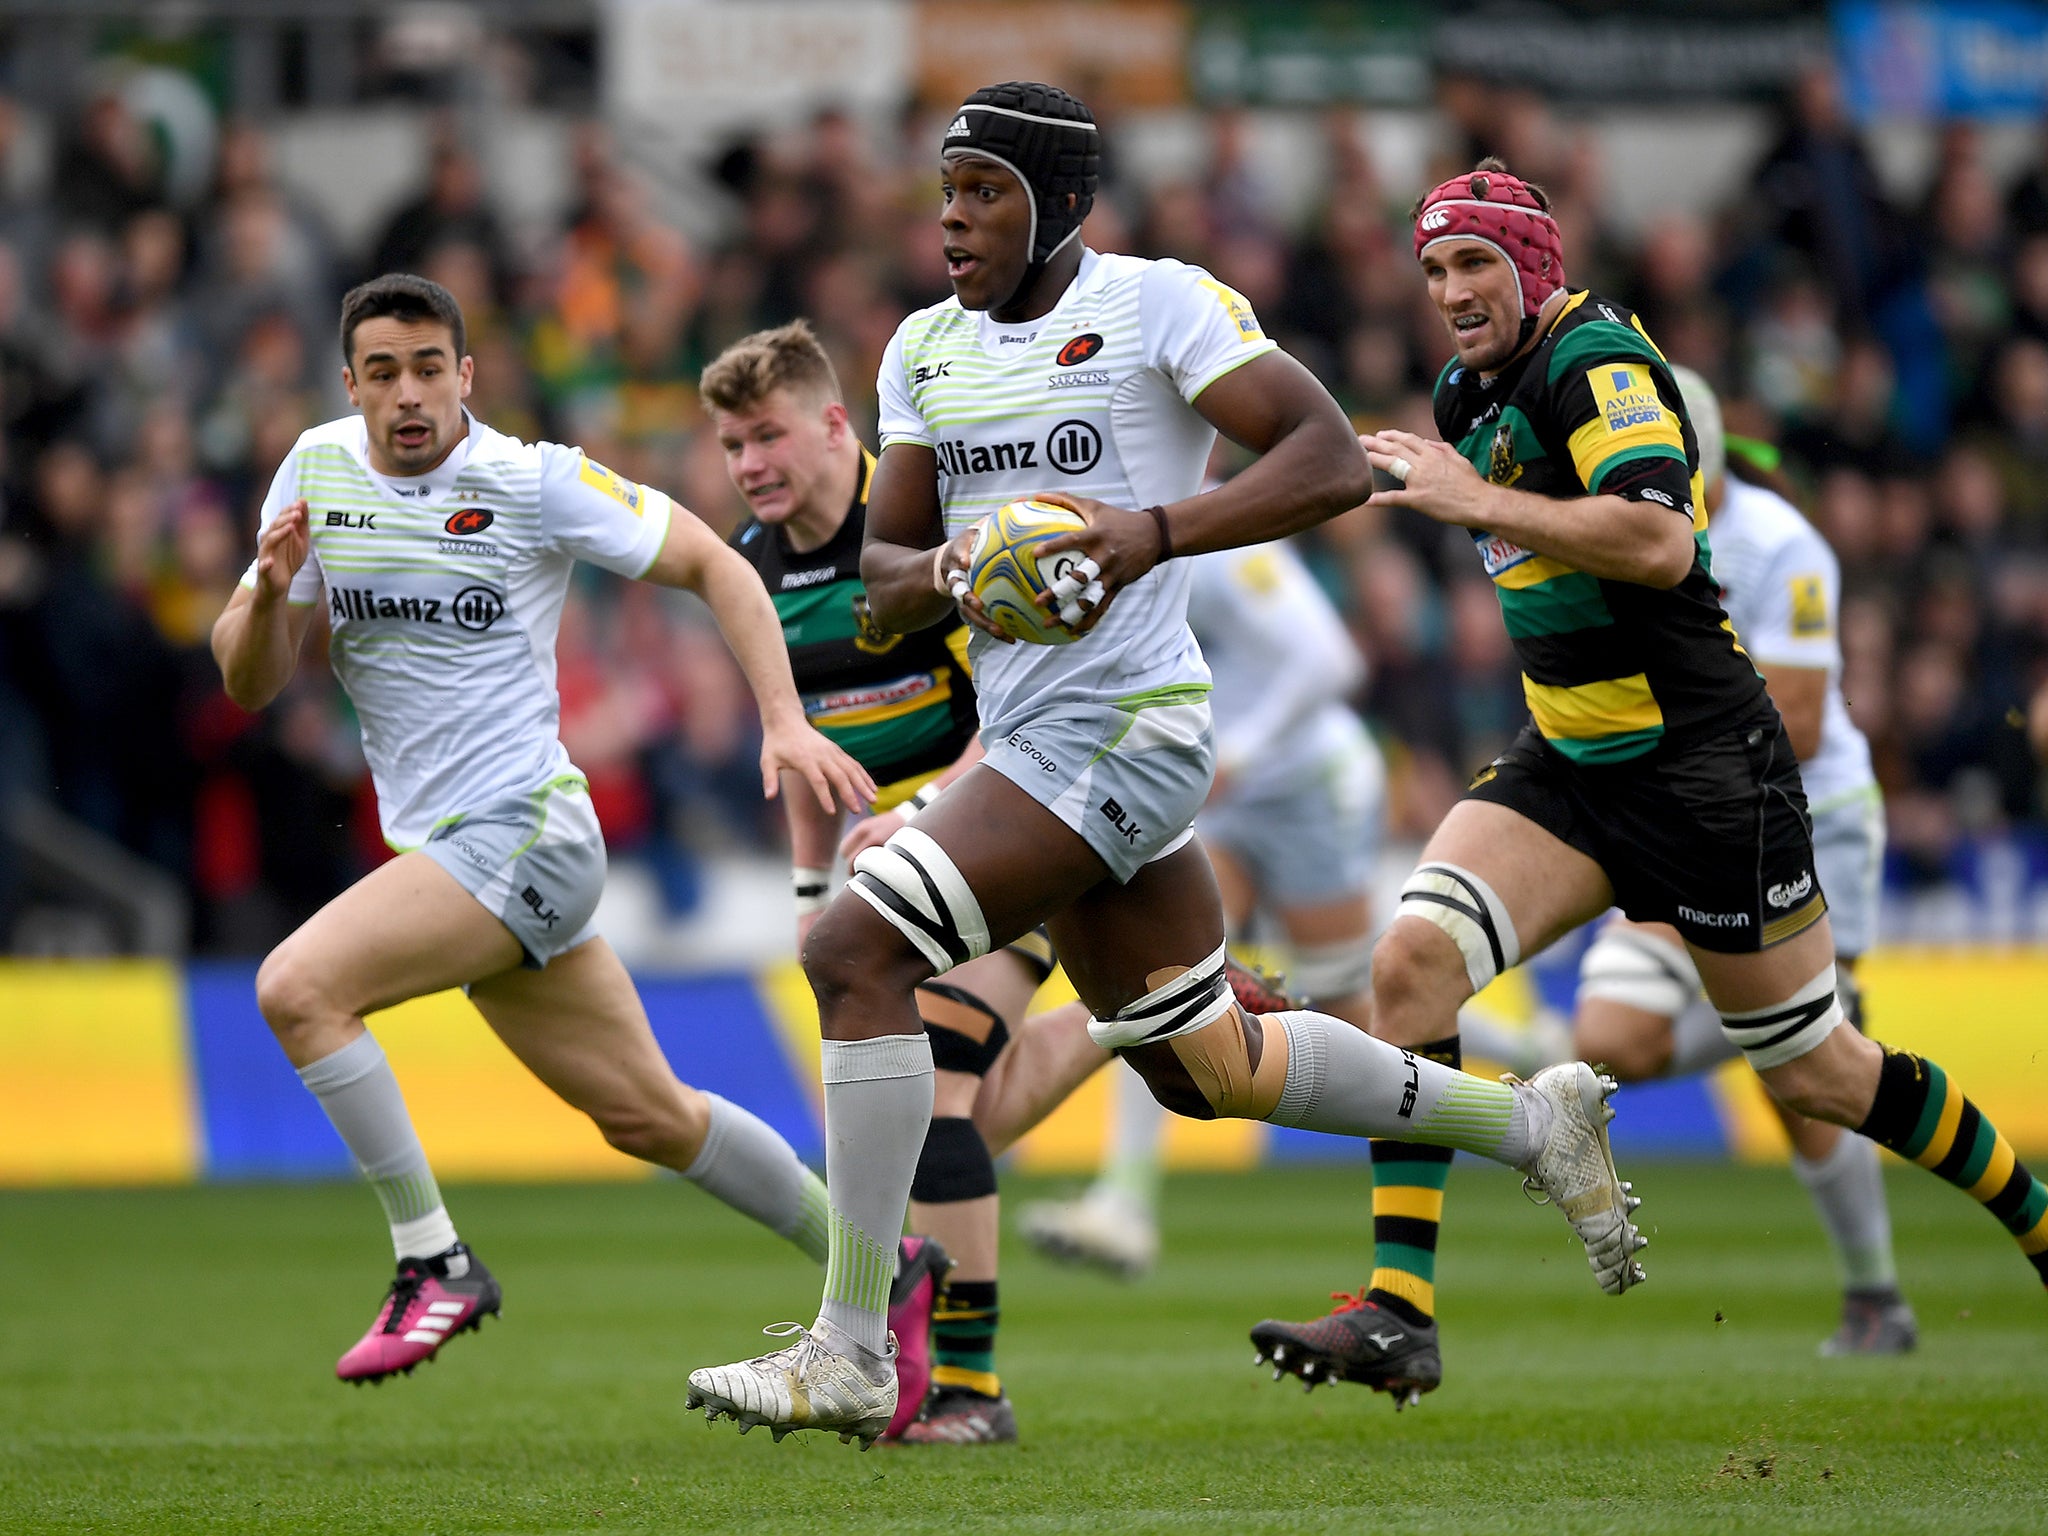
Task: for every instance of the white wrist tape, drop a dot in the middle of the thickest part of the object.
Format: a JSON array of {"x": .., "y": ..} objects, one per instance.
[{"x": 812, "y": 889}]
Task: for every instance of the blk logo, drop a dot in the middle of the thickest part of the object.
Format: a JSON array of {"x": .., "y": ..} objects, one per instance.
[
  {"x": 352, "y": 520},
  {"x": 469, "y": 520},
  {"x": 1080, "y": 349},
  {"x": 1074, "y": 447},
  {"x": 1121, "y": 819}
]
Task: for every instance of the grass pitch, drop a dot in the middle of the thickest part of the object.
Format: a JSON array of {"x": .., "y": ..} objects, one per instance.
[{"x": 165, "y": 1365}]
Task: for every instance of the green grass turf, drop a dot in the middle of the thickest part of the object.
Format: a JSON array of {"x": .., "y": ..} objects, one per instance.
[{"x": 165, "y": 1358}]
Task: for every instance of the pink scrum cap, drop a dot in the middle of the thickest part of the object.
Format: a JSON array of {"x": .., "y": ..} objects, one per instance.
[{"x": 1499, "y": 209}]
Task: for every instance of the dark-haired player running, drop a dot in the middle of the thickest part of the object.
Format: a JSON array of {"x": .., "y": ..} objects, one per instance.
[
  {"x": 1103, "y": 379},
  {"x": 439, "y": 553}
]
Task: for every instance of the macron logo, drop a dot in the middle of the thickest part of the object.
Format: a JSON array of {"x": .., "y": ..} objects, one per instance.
[{"x": 959, "y": 128}]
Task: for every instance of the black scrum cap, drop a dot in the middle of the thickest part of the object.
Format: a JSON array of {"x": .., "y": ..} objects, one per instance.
[{"x": 1048, "y": 141}]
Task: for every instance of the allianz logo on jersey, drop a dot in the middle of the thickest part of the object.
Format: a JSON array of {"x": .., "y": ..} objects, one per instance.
[
  {"x": 473, "y": 608},
  {"x": 1072, "y": 447}
]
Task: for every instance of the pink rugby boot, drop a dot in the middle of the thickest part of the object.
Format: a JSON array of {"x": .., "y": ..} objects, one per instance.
[
  {"x": 921, "y": 1264},
  {"x": 430, "y": 1302}
]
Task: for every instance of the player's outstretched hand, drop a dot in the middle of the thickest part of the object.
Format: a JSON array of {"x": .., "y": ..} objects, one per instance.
[
  {"x": 281, "y": 551},
  {"x": 1117, "y": 547},
  {"x": 836, "y": 779},
  {"x": 950, "y": 562},
  {"x": 869, "y": 832},
  {"x": 1436, "y": 480}
]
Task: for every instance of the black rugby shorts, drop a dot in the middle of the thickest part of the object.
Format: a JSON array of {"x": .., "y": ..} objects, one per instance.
[{"x": 1712, "y": 837}]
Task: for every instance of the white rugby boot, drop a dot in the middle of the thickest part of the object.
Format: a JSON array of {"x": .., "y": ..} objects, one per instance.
[
  {"x": 1098, "y": 1230},
  {"x": 1574, "y": 1170},
  {"x": 806, "y": 1385}
]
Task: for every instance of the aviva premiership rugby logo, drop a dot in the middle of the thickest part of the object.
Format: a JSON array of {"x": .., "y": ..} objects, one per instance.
[
  {"x": 870, "y": 636},
  {"x": 1626, "y": 396},
  {"x": 1501, "y": 467}
]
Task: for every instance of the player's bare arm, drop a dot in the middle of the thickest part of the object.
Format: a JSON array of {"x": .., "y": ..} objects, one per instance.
[
  {"x": 692, "y": 557},
  {"x": 1801, "y": 694},
  {"x": 1308, "y": 471},
  {"x": 1611, "y": 537},
  {"x": 256, "y": 639},
  {"x": 914, "y": 574}
]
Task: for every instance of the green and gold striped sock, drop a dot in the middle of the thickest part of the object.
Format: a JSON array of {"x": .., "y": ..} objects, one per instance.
[
  {"x": 1921, "y": 1115},
  {"x": 1407, "y": 1206},
  {"x": 964, "y": 1337}
]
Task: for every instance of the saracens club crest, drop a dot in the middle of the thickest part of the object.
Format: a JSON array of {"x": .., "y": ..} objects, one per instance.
[
  {"x": 871, "y": 637},
  {"x": 1501, "y": 467}
]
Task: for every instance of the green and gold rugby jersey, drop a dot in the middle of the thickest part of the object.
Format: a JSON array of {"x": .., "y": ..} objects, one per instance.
[
  {"x": 901, "y": 705},
  {"x": 1611, "y": 669},
  {"x": 1095, "y": 398},
  {"x": 444, "y": 592}
]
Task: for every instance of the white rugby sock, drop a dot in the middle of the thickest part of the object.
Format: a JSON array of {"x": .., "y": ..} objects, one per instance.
[
  {"x": 1697, "y": 1040},
  {"x": 1342, "y": 1080},
  {"x": 1848, "y": 1190},
  {"x": 356, "y": 1087},
  {"x": 745, "y": 1162},
  {"x": 878, "y": 1107},
  {"x": 1137, "y": 1126},
  {"x": 1524, "y": 1052}
]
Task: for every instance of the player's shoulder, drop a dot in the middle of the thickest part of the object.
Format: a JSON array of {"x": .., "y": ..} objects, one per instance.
[
  {"x": 1177, "y": 299},
  {"x": 1167, "y": 280},
  {"x": 346, "y": 433},
  {"x": 1595, "y": 330},
  {"x": 921, "y": 327},
  {"x": 752, "y": 541},
  {"x": 491, "y": 449},
  {"x": 1767, "y": 522}
]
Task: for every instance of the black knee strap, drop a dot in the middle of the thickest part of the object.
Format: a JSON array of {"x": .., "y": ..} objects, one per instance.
[
  {"x": 955, "y": 1048},
  {"x": 955, "y": 1164}
]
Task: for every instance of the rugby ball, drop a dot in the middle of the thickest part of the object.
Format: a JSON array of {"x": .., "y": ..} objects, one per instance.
[{"x": 1007, "y": 573}]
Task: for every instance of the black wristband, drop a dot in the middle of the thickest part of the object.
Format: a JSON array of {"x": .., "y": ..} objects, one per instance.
[{"x": 1158, "y": 516}]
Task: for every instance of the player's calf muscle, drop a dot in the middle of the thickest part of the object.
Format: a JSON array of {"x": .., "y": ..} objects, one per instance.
[
  {"x": 1632, "y": 1044},
  {"x": 1836, "y": 1081}
]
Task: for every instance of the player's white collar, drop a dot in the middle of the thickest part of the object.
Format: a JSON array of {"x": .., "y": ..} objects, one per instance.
[{"x": 993, "y": 330}]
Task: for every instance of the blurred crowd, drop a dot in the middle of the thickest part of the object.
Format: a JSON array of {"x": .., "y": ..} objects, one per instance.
[{"x": 159, "y": 355}]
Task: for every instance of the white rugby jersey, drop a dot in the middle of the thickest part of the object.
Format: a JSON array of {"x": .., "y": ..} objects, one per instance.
[
  {"x": 1782, "y": 586},
  {"x": 1282, "y": 663},
  {"x": 1093, "y": 399},
  {"x": 444, "y": 592}
]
